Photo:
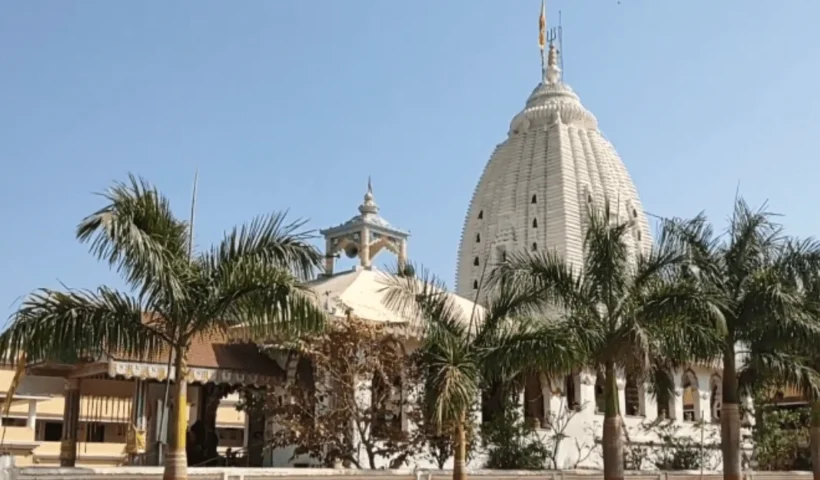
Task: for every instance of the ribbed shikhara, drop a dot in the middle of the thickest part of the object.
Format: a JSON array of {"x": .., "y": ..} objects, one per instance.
[{"x": 536, "y": 188}]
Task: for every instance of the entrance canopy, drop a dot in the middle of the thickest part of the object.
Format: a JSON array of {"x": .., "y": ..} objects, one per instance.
[{"x": 212, "y": 359}]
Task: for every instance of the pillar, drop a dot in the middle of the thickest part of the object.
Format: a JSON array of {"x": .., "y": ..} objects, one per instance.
[
  {"x": 364, "y": 248},
  {"x": 329, "y": 258},
  {"x": 71, "y": 417},
  {"x": 247, "y": 432},
  {"x": 137, "y": 418},
  {"x": 402, "y": 254},
  {"x": 622, "y": 396},
  {"x": 31, "y": 421}
]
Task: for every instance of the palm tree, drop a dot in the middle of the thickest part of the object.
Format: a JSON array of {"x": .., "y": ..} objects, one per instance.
[
  {"x": 635, "y": 315},
  {"x": 462, "y": 352},
  {"x": 251, "y": 278},
  {"x": 757, "y": 274}
]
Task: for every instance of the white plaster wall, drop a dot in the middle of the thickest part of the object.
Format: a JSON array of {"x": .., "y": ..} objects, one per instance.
[{"x": 585, "y": 427}]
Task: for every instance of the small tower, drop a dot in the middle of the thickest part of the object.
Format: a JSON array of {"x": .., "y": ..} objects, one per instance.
[{"x": 364, "y": 236}]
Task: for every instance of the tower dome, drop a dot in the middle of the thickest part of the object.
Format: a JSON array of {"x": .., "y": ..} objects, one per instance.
[{"x": 535, "y": 190}]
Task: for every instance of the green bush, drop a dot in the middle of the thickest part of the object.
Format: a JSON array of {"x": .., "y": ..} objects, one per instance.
[{"x": 513, "y": 444}]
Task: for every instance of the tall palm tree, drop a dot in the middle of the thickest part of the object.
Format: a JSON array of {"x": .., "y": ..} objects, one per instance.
[
  {"x": 785, "y": 361},
  {"x": 461, "y": 352},
  {"x": 251, "y": 278},
  {"x": 637, "y": 315},
  {"x": 757, "y": 273}
]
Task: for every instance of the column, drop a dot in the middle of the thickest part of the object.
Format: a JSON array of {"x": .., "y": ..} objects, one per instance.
[
  {"x": 364, "y": 247},
  {"x": 247, "y": 433},
  {"x": 329, "y": 259},
  {"x": 137, "y": 426},
  {"x": 71, "y": 417},
  {"x": 402, "y": 254},
  {"x": 622, "y": 396},
  {"x": 31, "y": 421}
]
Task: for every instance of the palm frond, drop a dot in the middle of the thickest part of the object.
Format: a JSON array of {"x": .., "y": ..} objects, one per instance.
[
  {"x": 531, "y": 344},
  {"x": 261, "y": 300},
  {"x": 57, "y": 326},
  {"x": 783, "y": 369},
  {"x": 424, "y": 299},
  {"x": 270, "y": 239},
  {"x": 545, "y": 279},
  {"x": 606, "y": 259},
  {"x": 451, "y": 379},
  {"x": 138, "y": 235}
]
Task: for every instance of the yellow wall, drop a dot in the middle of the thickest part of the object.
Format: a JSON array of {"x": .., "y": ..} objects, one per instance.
[{"x": 102, "y": 401}]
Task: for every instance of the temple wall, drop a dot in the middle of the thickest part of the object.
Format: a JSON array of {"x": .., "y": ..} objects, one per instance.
[{"x": 586, "y": 425}]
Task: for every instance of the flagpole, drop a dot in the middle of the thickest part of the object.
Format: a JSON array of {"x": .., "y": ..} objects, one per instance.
[{"x": 542, "y": 39}]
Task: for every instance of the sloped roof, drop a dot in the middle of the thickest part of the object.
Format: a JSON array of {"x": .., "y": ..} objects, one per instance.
[
  {"x": 218, "y": 352},
  {"x": 363, "y": 291}
]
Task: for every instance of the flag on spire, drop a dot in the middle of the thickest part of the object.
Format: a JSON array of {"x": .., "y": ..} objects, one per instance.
[{"x": 542, "y": 26}]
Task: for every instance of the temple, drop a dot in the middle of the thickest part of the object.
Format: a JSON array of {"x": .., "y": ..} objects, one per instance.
[{"x": 533, "y": 194}]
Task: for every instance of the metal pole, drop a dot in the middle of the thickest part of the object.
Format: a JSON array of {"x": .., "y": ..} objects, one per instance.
[{"x": 162, "y": 420}]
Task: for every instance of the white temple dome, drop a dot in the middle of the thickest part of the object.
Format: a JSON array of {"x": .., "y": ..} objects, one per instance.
[{"x": 534, "y": 191}]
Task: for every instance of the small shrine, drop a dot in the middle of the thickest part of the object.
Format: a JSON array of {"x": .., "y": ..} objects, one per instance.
[{"x": 364, "y": 236}]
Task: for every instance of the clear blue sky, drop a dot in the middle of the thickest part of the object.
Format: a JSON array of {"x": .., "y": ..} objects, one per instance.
[{"x": 291, "y": 104}]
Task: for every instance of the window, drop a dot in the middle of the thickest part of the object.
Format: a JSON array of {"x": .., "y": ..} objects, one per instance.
[
  {"x": 475, "y": 284},
  {"x": 534, "y": 199},
  {"x": 600, "y": 397},
  {"x": 475, "y": 261},
  {"x": 589, "y": 198},
  {"x": 492, "y": 402},
  {"x": 571, "y": 392},
  {"x": 534, "y": 223},
  {"x": 664, "y": 395},
  {"x": 386, "y": 400},
  {"x": 14, "y": 422},
  {"x": 639, "y": 235},
  {"x": 715, "y": 394},
  {"x": 634, "y": 213},
  {"x": 534, "y": 401},
  {"x": 534, "y": 247},
  {"x": 477, "y": 238},
  {"x": 633, "y": 394},
  {"x": 94, "y": 432},
  {"x": 689, "y": 383},
  {"x": 480, "y": 214},
  {"x": 52, "y": 431}
]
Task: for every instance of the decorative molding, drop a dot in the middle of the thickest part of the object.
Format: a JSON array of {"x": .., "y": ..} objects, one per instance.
[{"x": 150, "y": 371}]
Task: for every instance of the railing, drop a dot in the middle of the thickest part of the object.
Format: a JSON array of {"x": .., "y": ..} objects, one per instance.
[{"x": 155, "y": 473}]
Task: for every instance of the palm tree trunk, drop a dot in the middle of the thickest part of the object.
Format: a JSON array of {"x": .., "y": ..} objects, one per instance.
[
  {"x": 815, "y": 438},
  {"x": 730, "y": 417},
  {"x": 613, "y": 436},
  {"x": 460, "y": 453},
  {"x": 176, "y": 461}
]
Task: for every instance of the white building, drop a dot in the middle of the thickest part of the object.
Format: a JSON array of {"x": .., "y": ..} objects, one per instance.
[{"x": 361, "y": 291}]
